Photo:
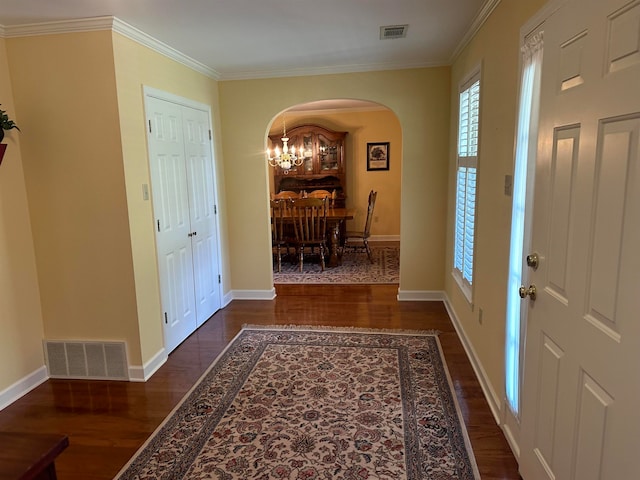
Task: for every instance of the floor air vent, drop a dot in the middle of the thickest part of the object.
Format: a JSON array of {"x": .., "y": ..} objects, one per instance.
[{"x": 88, "y": 360}]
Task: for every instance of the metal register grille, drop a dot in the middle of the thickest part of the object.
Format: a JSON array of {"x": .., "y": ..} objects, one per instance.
[
  {"x": 88, "y": 360},
  {"x": 393, "y": 31}
]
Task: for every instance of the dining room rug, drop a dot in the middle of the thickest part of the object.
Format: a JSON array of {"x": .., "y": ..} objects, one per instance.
[
  {"x": 315, "y": 403},
  {"x": 355, "y": 268}
]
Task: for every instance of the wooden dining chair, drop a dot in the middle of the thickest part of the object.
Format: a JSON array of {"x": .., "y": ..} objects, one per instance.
[
  {"x": 309, "y": 217},
  {"x": 284, "y": 194},
  {"x": 279, "y": 238},
  {"x": 359, "y": 240},
  {"x": 322, "y": 194}
]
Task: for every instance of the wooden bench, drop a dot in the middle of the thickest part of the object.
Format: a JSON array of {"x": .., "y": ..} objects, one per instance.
[{"x": 27, "y": 456}]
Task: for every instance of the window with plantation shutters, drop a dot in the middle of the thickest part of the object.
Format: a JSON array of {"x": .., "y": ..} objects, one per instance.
[{"x": 468, "y": 124}]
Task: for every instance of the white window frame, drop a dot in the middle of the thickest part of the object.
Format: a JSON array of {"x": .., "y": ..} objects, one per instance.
[{"x": 467, "y": 154}]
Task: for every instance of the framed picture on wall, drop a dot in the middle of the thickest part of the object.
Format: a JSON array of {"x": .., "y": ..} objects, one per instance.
[{"x": 378, "y": 156}]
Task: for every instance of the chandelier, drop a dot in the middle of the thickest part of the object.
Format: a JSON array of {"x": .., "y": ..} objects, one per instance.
[{"x": 286, "y": 159}]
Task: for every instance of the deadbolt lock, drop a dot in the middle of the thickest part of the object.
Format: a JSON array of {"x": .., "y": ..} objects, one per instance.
[
  {"x": 532, "y": 260},
  {"x": 531, "y": 292}
]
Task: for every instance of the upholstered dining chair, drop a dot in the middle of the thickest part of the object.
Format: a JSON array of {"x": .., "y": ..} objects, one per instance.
[
  {"x": 359, "y": 240},
  {"x": 309, "y": 217},
  {"x": 279, "y": 238}
]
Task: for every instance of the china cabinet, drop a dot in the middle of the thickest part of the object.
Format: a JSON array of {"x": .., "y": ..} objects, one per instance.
[{"x": 323, "y": 166}]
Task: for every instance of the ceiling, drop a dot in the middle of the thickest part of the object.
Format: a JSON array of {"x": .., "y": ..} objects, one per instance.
[{"x": 238, "y": 39}]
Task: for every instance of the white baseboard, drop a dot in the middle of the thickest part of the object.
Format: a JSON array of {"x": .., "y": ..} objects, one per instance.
[
  {"x": 384, "y": 238},
  {"x": 420, "y": 295},
  {"x": 144, "y": 373},
  {"x": 23, "y": 386},
  {"x": 226, "y": 299},
  {"x": 489, "y": 393},
  {"x": 253, "y": 294},
  {"x": 487, "y": 389},
  {"x": 511, "y": 440}
]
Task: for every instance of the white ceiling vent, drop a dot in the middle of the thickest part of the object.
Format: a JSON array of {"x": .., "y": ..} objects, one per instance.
[{"x": 393, "y": 31}]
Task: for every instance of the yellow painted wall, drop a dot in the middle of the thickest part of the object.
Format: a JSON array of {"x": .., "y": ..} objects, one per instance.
[
  {"x": 65, "y": 92},
  {"x": 137, "y": 66},
  {"x": 80, "y": 98},
  {"x": 363, "y": 126},
  {"x": 496, "y": 46},
  {"x": 420, "y": 100},
  {"x": 20, "y": 315}
]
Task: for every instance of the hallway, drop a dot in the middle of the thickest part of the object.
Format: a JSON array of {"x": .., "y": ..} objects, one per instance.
[{"x": 108, "y": 421}]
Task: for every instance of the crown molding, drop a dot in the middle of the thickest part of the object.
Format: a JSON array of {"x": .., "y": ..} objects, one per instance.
[
  {"x": 66, "y": 26},
  {"x": 485, "y": 12},
  {"x": 304, "y": 72},
  {"x": 146, "y": 40},
  {"x": 113, "y": 24},
  {"x": 330, "y": 111}
]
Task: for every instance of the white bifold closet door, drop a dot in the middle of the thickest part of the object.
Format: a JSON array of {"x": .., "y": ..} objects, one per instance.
[{"x": 182, "y": 176}]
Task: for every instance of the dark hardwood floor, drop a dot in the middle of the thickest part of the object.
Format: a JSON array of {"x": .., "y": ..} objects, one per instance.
[{"x": 108, "y": 421}]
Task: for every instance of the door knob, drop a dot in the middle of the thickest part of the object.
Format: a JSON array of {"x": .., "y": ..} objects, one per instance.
[
  {"x": 531, "y": 292},
  {"x": 532, "y": 260}
]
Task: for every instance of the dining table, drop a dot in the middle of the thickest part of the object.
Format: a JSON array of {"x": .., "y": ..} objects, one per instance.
[{"x": 336, "y": 217}]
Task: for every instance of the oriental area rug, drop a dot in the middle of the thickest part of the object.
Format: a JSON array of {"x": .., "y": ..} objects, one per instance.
[
  {"x": 355, "y": 268},
  {"x": 306, "y": 403}
]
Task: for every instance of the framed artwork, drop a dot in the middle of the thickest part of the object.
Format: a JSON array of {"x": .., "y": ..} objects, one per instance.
[{"x": 378, "y": 156}]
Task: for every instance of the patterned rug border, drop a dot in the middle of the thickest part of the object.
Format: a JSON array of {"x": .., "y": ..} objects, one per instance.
[
  {"x": 323, "y": 328},
  {"x": 184, "y": 398},
  {"x": 384, "y": 271},
  {"x": 315, "y": 328}
]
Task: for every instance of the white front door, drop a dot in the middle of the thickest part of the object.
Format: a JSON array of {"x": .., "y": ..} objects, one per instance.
[{"x": 581, "y": 390}]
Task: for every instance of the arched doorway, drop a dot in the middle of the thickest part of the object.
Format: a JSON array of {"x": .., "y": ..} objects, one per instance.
[{"x": 366, "y": 122}]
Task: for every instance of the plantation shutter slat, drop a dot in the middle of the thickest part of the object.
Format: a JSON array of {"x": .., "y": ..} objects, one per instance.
[
  {"x": 459, "y": 232},
  {"x": 470, "y": 212},
  {"x": 468, "y": 131}
]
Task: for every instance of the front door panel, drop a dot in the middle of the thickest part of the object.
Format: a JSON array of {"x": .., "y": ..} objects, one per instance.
[{"x": 581, "y": 384}]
